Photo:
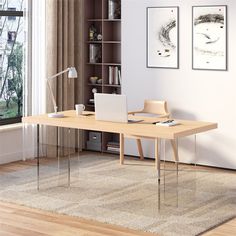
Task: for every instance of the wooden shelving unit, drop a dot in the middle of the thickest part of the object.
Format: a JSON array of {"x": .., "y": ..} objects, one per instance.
[{"x": 108, "y": 46}]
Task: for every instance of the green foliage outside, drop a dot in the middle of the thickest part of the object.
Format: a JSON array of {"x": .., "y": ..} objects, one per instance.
[{"x": 13, "y": 96}]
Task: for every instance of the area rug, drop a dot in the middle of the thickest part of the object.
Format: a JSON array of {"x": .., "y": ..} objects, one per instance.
[{"x": 129, "y": 195}]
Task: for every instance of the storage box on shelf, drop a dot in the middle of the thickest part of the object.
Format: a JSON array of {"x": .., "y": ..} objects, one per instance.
[{"x": 94, "y": 142}]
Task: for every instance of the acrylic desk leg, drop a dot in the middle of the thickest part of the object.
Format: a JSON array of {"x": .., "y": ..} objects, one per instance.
[
  {"x": 177, "y": 154},
  {"x": 195, "y": 150},
  {"x": 69, "y": 158},
  {"x": 121, "y": 149},
  {"x": 157, "y": 160},
  {"x": 37, "y": 156}
]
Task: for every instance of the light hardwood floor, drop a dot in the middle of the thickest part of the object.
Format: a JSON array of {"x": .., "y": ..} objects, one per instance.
[{"x": 16, "y": 220}]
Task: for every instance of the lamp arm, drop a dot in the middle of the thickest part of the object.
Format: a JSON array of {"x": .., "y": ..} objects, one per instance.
[
  {"x": 60, "y": 73},
  {"x": 52, "y": 96}
]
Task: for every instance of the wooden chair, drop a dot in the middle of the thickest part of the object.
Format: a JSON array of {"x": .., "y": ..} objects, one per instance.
[{"x": 159, "y": 109}]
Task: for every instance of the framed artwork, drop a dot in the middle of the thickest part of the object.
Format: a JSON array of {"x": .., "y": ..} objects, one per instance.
[
  {"x": 163, "y": 37},
  {"x": 209, "y": 35}
]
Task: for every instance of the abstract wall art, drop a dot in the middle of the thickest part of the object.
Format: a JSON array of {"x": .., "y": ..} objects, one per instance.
[
  {"x": 162, "y": 37},
  {"x": 209, "y": 34}
]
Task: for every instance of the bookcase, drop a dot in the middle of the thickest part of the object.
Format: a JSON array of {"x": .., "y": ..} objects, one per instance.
[{"x": 102, "y": 63}]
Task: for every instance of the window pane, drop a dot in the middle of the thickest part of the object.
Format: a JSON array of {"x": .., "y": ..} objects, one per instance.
[
  {"x": 12, "y": 5},
  {"x": 11, "y": 66}
]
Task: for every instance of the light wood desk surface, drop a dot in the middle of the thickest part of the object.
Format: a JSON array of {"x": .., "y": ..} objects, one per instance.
[{"x": 144, "y": 128}]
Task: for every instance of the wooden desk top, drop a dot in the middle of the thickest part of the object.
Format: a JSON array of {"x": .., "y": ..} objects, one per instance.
[{"x": 145, "y": 128}]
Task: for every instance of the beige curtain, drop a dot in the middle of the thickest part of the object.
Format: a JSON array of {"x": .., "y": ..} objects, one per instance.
[{"x": 62, "y": 51}]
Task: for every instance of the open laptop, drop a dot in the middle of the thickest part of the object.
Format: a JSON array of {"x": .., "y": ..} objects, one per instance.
[{"x": 111, "y": 107}]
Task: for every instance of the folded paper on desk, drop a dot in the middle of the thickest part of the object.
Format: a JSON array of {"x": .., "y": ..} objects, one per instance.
[{"x": 167, "y": 123}]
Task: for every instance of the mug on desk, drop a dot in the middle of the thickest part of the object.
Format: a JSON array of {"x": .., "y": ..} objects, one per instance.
[{"x": 79, "y": 108}]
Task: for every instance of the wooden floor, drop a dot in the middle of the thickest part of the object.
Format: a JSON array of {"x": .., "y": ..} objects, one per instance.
[{"x": 16, "y": 220}]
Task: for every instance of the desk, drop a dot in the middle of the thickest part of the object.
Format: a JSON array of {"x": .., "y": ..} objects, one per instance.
[{"x": 144, "y": 128}]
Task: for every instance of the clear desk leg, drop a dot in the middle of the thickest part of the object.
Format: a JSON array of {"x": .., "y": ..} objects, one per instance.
[
  {"x": 177, "y": 154},
  {"x": 37, "y": 156},
  {"x": 58, "y": 154},
  {"x": 157, "y": 159},
  {"x": 69, "y": 158},
  {"x": 195, "y": 150}
]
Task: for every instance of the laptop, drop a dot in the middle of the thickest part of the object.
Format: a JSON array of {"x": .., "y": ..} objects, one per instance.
[{"x": 111, "y": 107}]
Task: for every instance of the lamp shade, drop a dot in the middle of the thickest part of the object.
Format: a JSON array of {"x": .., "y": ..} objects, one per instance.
[{"x": 72, "y": 72}]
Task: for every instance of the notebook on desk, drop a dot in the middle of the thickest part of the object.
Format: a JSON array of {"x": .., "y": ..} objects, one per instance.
[{"x": 112, "y": 107}]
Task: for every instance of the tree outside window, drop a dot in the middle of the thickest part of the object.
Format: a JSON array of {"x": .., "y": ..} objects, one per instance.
[{"x": 11, "y": 61}]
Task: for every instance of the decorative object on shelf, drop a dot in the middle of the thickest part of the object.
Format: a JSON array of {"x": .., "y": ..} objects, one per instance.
[
  {"x": 162, "y": 37},
  {"x": 72, "y": 73},
  {"x": 95, "y": 53},
  {"x": 93, "y": 79},
  {"x": 94, "y": 90},
  {"x": 92, "y": 33},
  {"x": 91, "y": 100},
  {"x": 114, "y": 91},
  {"x": 114, "y": 9},
  {"x": 99, "y": 37},
  {"x": 79, "y": 108},
  {"x": 99, "y": 81},
  {"x": 209, "y": 32}
]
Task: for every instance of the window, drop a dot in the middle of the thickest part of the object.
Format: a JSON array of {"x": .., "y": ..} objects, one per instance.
[
  {"x": 12, "y": 61},
  {"x": 11, "y": 17}
]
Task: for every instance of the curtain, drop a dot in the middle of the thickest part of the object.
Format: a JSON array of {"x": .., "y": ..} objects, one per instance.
[
  {"x": 62, "y": 51},
  {"x": 34, "y": 84}
]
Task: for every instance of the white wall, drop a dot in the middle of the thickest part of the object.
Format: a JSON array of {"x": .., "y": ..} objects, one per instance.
[
  {"x": 191, "y": 94},
  {"x": 10, "y": 145}
]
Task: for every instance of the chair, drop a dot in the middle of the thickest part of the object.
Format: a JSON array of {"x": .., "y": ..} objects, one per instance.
[{"x": 159, "y": 109}]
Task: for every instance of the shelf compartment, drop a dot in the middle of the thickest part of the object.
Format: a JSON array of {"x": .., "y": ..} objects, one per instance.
[
  {"x": 112, "y": 53},
  {"x": 111, "y": 31},
  {"x": 93, "y": 9}
]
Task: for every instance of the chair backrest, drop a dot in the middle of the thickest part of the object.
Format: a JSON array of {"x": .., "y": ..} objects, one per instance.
[{"x": 155, "y": 107}]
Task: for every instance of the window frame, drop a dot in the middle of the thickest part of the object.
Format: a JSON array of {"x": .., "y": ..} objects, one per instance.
[{"x": 11, "y": 120}]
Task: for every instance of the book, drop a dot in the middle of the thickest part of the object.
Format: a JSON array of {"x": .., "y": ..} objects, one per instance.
[
  {"x": 116, "y": 80},
  {"x": 114, "y": 149},
  {"x": 119, "y": 77},
  {"x": 110, "y": 74},
  {"x": 167, "y": 123}
]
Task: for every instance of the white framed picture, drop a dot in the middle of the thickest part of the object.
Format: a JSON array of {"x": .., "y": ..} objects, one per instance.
[
  {"x": 163, "y": 37},
  {"x": 209, "y": 35}
]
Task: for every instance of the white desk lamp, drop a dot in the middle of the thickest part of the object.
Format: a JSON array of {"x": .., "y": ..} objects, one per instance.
[{"x": 72, "y": 73}]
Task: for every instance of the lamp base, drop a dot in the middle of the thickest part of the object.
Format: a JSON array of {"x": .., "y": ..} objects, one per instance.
[{"x": 56, "y": 115}]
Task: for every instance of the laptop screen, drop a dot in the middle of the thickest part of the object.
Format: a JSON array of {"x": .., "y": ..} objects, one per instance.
[{"x": 111, "y": 107}]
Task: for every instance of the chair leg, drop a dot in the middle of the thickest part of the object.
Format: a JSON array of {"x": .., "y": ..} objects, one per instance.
[
  {"x": 140, "y": 149},
  {"x": 122, "y": 149},
  {"x": 174, "y": 147}
]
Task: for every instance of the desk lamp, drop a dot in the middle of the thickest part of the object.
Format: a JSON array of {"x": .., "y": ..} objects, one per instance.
[{"x": 72, "y": 73}]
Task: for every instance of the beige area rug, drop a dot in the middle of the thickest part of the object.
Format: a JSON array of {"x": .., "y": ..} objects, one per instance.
[{"x": 127, "y": 195}]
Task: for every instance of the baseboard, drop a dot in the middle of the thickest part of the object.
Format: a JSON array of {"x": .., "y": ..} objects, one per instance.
[{"x": 15, "y": 156}]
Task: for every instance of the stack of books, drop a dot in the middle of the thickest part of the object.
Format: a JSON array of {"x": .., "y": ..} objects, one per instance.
[
  {"x": 114, "y": 75},
  {"x": 113, "y": 146}
]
